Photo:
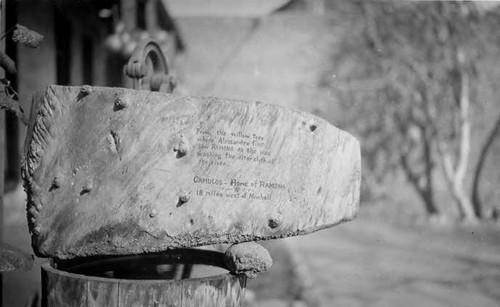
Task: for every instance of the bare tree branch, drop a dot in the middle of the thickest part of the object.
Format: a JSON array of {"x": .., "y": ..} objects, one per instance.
[{"x": 476, "y": 201}]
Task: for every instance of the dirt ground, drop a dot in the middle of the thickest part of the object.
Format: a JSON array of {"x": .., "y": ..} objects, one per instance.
[{"x": 373, "y": 263}]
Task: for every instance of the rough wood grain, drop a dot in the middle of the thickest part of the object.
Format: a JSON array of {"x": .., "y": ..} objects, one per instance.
[
  {"x": 61, "y": 288},
  {"x": 113, "y": 171}
]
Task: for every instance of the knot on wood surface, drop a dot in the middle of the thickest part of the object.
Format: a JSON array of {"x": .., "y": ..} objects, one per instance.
[
  {"x": 183, "y": 198},
  {"x": 247, "y": 258},
  {"x": 275, "y": 221},
  {"x": 121, "y": 102},
  {"x": 85, "y": 90},
  {"x": 181, "y": 147}
]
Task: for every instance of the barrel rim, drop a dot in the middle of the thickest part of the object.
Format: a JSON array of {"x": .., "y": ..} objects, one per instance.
[{"x": 49, "y": 268}]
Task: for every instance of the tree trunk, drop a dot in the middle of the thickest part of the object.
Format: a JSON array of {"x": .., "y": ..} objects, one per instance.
[
  {"x": 476, "y": 201},
  {"x": 463, "y": 160},
  {"x": 422, "y": 183},
  {"x": 455, "y": 175},
  {"x": 465, "y": 205},
  {"x": 372, "y": 28},
  {"x": 428, "y": 196}
]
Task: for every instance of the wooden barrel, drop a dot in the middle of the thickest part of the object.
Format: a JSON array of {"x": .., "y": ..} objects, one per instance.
[{"x": 143, "y": 280}]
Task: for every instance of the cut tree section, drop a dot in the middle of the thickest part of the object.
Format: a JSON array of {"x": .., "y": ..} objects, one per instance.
[{"x": 112, "y": 171}]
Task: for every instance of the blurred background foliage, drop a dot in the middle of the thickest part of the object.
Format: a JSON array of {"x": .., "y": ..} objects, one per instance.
[{"x": 416, "y": 83}]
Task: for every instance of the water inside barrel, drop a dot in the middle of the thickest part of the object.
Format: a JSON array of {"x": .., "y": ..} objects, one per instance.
[{"x": 170, "y": 266}]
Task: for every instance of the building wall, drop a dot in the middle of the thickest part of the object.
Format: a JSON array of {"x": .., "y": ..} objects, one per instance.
[{"x": 36, "y": 67}]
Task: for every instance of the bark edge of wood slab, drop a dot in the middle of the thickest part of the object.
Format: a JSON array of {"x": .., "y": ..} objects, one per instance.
[{"x": 113, "y": 171}]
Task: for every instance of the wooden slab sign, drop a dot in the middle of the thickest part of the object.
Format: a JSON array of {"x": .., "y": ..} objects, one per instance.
[{"x": 112, "y": 171}]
